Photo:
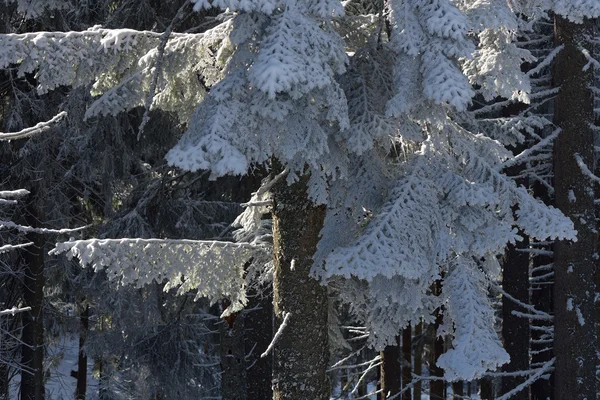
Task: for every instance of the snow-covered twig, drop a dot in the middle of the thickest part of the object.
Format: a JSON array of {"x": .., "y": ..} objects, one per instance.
[
  {"x": 8, "y": 247},
  {"x": 546, "y": 61},
  {"x": 267, "y": 186},
  {"x": 28, "y": 229},
  {"x": 546, "y": 368},
  {"x": 533, "y": 316},
  {"x": 286, "y": 317},
  {"x": 364, "y": 374},
  {"x": 13, "y": 194},
  {"x": 14, "y": 310},
  {"x": 34, "y": 130},
  {"x": 521, "y": 157},
  {"x": 257, "y": 203},
  {"x": 584, "y": 168},
  {"x": 526, "y": 306},
  {"x": 592, "y": 62}
]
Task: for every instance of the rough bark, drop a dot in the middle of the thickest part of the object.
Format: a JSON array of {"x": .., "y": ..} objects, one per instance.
[
  {"x": 233, "y": 362},
  {"x": 391, "y": 370},
  {"x": 515, "y": 329},
  {"x": 406, "y": 361},
  {"x": 258, "y": 334},
  {"x": 574, "y": 316},
  {"x": 32, "y": 349},
  {"x": 81, "y": 387},
  {"x": 301, "y": 354}
]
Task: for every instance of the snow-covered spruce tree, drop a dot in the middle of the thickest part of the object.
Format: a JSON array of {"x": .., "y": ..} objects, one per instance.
[{"x": 450, "y": 195}]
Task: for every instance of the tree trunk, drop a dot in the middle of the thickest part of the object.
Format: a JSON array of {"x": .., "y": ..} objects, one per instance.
[
  {"x": 233, "y": 361},
  {"x": 515, "y": 329},
  {"x": 542, "y": 299},
  {"x": 81, "y": 387},
  {"x": 32, "y": 349},
  {"x": 437, "y": 388},
  {"x": 574, "y": 316},
  {"x": 406, "y": 361},
  {"x": 418, "y": 360},
  {"x": 486, "y": 388},
  {"x": 301, "y": 353},
  {"x": 391, "y": 374},
  {"x": 258, "y": 334}
]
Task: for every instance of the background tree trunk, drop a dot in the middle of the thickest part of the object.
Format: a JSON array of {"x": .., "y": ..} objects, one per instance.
[
  {"x": 515, "y": 329},
  {"x": 233, "y": 361},
  {"x": 32, "y": 349},
  {"x": 301, "y": 354},
  {"x": 406, "y": 361},
  {"x": 574, "y": 332},
  {"x": 437, "y": 388},
  {"x": 257, "y": 335},
  {"x": 81, "y": 388},
  {"x": 391, "y": 370},
  {"x": 418, "y": 359}
]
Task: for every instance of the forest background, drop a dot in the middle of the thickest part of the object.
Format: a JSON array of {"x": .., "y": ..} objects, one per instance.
[{"x": 298, "y": 199}]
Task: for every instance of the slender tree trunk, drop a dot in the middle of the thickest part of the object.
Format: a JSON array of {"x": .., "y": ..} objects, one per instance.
[
  {"x": 301, "y": 353},
  {"x": 391, "y": 370},
  {"x": 458, "y": 389},
  {"x": 3, "y": 381},
  {"x": 258, "y": 335},
  {"x": 437, "y": 388},
  {"x": 406, "y": 361},
  {"x": 486, "y": 389},
  {"x": 542, "y": 299},
  {"x": 418, "y": 364},
  {"x": 32, "y": 349},
  {"x": 233, "y": 362},
  {"x": 515, "y": 330},
  {"x": 574, "y": 314},
  {"x": 81, "y": 387}
]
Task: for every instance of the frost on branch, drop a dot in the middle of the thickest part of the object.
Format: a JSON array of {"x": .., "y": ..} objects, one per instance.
[
  {"x": 34, "y": 130},
  {"x": 214, "y": 269},
  {"x": 279, "y": 98},
  {"x": 402, "y": 239},
  {"x": 475, "y": 345},
  {"x": 577, "y": 10},
  {"x": 119, "y": 63},
  {"x": 32, "y": 9}
]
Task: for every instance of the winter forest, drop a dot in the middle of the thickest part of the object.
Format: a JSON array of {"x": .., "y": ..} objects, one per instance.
[{"x": 299, "y": 199}]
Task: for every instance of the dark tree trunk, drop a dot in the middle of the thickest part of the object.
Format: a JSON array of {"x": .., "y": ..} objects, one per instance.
[
  {"x": 81, "y": 387},
  {"x": 406, "y": 361},
  {"x": 233, "y": 361},
  {"x": 542, "y": 299},
  {"x": 437, "y": 388},
  {"x": 458, "y": 389},
  {"x": 515, "y": 330},
  {"x": 3, "y": 382},
  {"x": 301, "y": 354},
  {"x": 391, "y": 370},
  {"x": 574, "y": 332},
  {"x": 486, "y": 389},
  {"x": 258, "y": 334},
  {"x": 417, "y": 390},
  {"x": 32, "y": 349}
]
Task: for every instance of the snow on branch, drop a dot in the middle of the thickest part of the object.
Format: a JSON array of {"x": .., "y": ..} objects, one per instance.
[
  {"x": 584, "y": 168},
  {"x": 546, "y": 368},
  {"x": 286, "y": 317},
  {"x": 14, "y": 310},
  {"x": 592, "y": 62},
  {"x": 122, "y": 65},
  {"x": 34, "y": 130},
  {"x": 522, "y": 157},
  {"x": 29, "y": 229},
  {"x": 215, "y": 269},
  {"x": 13, "y": 194},
  {"x": 9, "y": 247},
  {"x": 476, "y": 347}
]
